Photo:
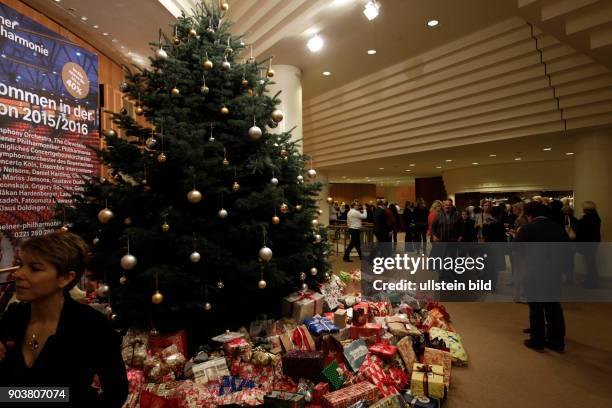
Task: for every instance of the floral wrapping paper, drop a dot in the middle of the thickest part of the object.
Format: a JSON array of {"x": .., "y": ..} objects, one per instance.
[
  {"x": 332, "y": 292},
  {"x": 136, "y": 380},
  {"x": 347, "y": 396},
  {"x": 399, "y": 377},
  {"x": 302, "y": 305},
  {"x": 236, "y": 346},
  {"x": 379, "y": 309},
  {"x": 406, "y": 352},
  {"x": 265, "y": 377},
  {"x": 453, "y": 342},
  {"x": 372, "y": 371},
  {"x": 441, "y": 358}
]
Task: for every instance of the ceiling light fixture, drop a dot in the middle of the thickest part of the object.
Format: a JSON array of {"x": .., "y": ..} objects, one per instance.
[
  {"x": 105, "y": 34},
  {"x": 326, "y": 73},
  {"x": 475, "y": 163},
  {"x": 95, "y": 26},
  {"x": 449, "y": 160},
  {"x": 381, "y": 168},
  {"x": 407, "y": 170},
  {"x": 438, "y": 167},
  {"x": 371, "y": 9},
  {"x": 371, "y": 52},
  {"x": 433, "y": 23},
  {"x": 569, "y": 153},
  {"x": 547, "y": 149},
  {"x": 411, "y": 164},
  {"x": 83, "y": 18},
  {"x": 492, "y": 155},
  {"x": 518, "y": 158},
  {"x": 315, "y": 43}
]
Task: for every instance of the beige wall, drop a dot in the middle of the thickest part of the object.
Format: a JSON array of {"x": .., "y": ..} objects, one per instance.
[{"x": 524, "y": 176}]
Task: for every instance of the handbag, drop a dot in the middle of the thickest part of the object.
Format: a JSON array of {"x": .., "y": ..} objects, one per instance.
[{"x": 569, "y": 230}]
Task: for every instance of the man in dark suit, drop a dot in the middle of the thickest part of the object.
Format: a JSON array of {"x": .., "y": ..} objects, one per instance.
[
  {"x": 541, "y": 266},
  {"x": 382, "y": 230}
]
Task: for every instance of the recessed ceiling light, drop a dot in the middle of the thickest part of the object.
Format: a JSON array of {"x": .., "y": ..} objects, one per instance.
[
  {"x": 438, "y": 167},
  {"x": 433, "y": 23},
  {"x": 475, "y": 163},
  {"x": 95, "y": 26},
  {"x": 115, "y": 40},
  {"x": 547, "y": 149},
  {"x": 315, "y": 43},
  {"x": 407, "y": 170},
  {"x": 381, "y": 168},
  {"x": 105, "y": 34},
  {"x": 492, "y": 155},
  {"x": 518, "y": 158},
  {"x": 326, "y": 73},
  {"x": 57, "y": 1},
  {"x": 411, "y": 164},
  {"x": 83, "y": 18},
  {"x": 569, "y": 153},
  {"x": 449, "y": 160},
  {"x": 123, "y": 47},
  {"x": 371, "y": 9},
  {"x": 343, "y": 176},
  {"x": 372, "y": 52}
]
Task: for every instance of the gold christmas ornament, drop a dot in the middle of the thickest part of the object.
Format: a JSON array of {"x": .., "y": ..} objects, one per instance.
[
  {"x": 102, "y": 290},
  {"x": 283, "y": 153},
  {"x": 208, "y": 64},
  {"x": 161, "y": 158},
  {"x": 128, "y": 221},
  {"x": 114, "y": 316},
  {"x": 210, "y": 30},
  {"x": 317, "y": 239},
  {"x": 313, "y": 271},
  {"x": 319, "y": 211},
  {"x": 193, "y": 32},
  {"x": 304, "y": 287},
  {"x": 175, "y": 91},
  {"x": 224, "y": 110},
  {"x": 64, "y": 228},
  {"x": 224, "y": 6},
  {"x": 314, "y": 223},
  {"x": 176, "y": 40},
  {"x": 139, "y": 111},
  {"x": 150, "y": 142},
  {"x": 128, "y": 262},
  {"x": 236, "y": 186},
  {"x": 298, "y": 207},
  {"x": 195, "y": 257},
  {"x": 207, "y": 306},
  {"x": 275, "y": 220},
  {"x": 157, "y": 298},
  {"x": 277, "y": 115},
  {"x": 330, "y": 200},
  {"x": 245, "y": 83},
  {"x": 302, "y": 276},
  {"x": 284, "y": 208},
  {"x": 261, "y": 284},
  {"x": 161, "y": 53},
  {"x": 110, "y": 133},
  {"x": 123, "y": 280},
  {"x": 194, "y": 196},
  {"x": 250, "y": 92},
  {"x": 165, "y": 227},
  {"x": 271, "y": 74},
  {"x": 105, "y": 215},
  {"x": 225, "y": 162},
  {"x": 204, "y": 89}
]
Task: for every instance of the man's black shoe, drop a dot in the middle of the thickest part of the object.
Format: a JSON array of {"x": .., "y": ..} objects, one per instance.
[
  {"x": 554, "y": 347},
  {"x": 529, "y": 344}
]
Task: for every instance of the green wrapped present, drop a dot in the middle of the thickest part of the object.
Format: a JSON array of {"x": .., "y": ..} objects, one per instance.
[
  {"x": 334, "y": 375},
  {"x": 453, "y": 342}
]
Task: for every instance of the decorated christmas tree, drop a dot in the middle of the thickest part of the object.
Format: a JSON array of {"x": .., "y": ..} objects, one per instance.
[{"x": 206, "y": 219}]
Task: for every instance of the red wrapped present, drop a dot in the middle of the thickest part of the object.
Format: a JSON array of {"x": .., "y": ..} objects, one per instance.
[
  {"x": 303, "y": 364},
  {"x": 160, "y": 395},
  {"x": 347, "y": 396},
  {"x": 136, "y": 380},
  {"x": 383, "y": 349},
  {"x": 366, "y": 330},
  {"x": 235, "y": 346},
  {"x": 264, "y": 376},
  {"x": 372, "y": 370},
  {"x": 399, "y": 377},
  {"x": 159, "y": 342},
  {"x": 360, "y": 314},
  {"x": 438, "y": 310},
  {"x": 379, "y": 309},
  {"x": 319, "y": 391},
  {"x": 302, "y": 339},
  {"x": 286, "y": 384}
]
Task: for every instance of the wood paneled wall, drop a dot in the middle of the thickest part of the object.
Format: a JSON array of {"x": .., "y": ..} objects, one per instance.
[
  {"x": 430, "y": 188},
  {"x": 347, "y": 192}
]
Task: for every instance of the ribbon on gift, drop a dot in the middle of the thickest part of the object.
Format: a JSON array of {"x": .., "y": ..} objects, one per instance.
[
  {"x": 320, "y": 324},
  {"x": 299, "y": 339},
  {"x": 303, "y": 296}
]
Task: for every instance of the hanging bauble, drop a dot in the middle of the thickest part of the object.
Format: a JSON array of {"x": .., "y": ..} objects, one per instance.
[
  {"x": 108, "y": 310},
  {"x": 150, "y": 142},
  {"x": 302, "y": 276},
  {"x": 261, "y": 284},
  {"x": 123, "y": 112},
  {"x": 224, "y": 110},
  {"x": 225, "y": 162},
  {"x": 265, "y": 254},
  {"x": 176, "y": 40},
  {"x": 157, "y": 298},
  {"x": 222, "y": 213},
  {"x": 220, "y": 285},
  {"x": 110, "y": 133},
  {"x": 123, "y": 86},
  {"x": 153, "y": 332},
  {"x": 317, "y": 239},
  {"x": 312, "y": 173},
  {"x": 207, "y": 306},
  {"x": 161, "y": 158},
  {"x": 211, "y": 138},
  {"x": 224, "y": 6},
  {"x": 275, "y": 220},
  {"x": 114, "y": 317},
  {"x": 283, "y": 153},
  {"x": 194, "y": 196},
  {"x": 96, "y": 240},
  {"x": 300, "y": 178},
  {"x": 254, "y": 132},
  {"x": 250, "y": 92},
  {"x": 314, "y": 223},
  {"x": 208, "y": 64},
  {"x": 105, "y": 215},
  {"x": 139, "y": 111},
  {"x": 327, "y": 277},
  {"x": 195, "y": 257},
  {"x": 319, "y": 211},
  {"x": 277, "y": 115},
  {"x": 284, "y": 208},
  {"x": 270, "y": 73},
  {"x": 64, "y": 228},
  {"x": 314, "y": 271},
  {"x": 274, "y": 181},
  {"x": 298, "y": 207},
  {"x": 175, "y": 91},
  {"x": 304, "y": 287},
  {"x": 210, "y": 30},
  {"x": 123, "y": 280},
  {"x": 161, "y": 54},
  {"x": 272, "y": 124},
  {"x": 245, "y": 83},
  {"x": 204, "y": 89},
  {"x": 193, "y": 32},
  {"x": 225, "y": 65},
  {"x": 128, "y": 262},
  {"x": 330, "y": 200},
  {"x": 235, "y": 186},
  {"x": 127, "y": 221},
  {"x": 165, "y": 227},
  {"x": 102, "y": 290}
]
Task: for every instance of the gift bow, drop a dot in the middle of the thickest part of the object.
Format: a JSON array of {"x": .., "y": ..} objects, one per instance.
[
  {"x": 424, "y": 368},
  {"x": 304, "y": 295}
]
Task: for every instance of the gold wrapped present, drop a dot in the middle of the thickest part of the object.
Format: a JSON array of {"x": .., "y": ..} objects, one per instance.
[{"x": 427, "y": 381}]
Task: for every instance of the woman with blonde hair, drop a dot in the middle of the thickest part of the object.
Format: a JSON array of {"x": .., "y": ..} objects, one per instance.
[{"x": 434, "y": 210}]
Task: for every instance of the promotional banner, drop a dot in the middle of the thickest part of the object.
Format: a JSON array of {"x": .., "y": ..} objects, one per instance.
[{"x": 48, "y": 124}]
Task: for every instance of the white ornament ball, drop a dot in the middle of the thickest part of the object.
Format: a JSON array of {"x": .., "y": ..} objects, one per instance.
[
  {"x": 314, "y": 223},
  {"x": 96, "y": 240},
  {"x": 195, "y": 257},
  {"x": 265, "y": 254},
  {"x": 274, "y": 181},
  {"x": 204, "y": 89},
  {"x": 312, "y": 173},
  {"x": 304, "y": 287},
  {"x": 254, "y": 132},
  {"x": 220, "y": 285},
  {"x": 103, "y": 290},
  {"x": 194, "y": 196},
  {"x": 128, "y": 261},
  {"x": 207, "y": 306},
  {"x": 317, "y": 238},
  {"x": 261, "y": 284},
  {"x": 226, "y": 65},
  {"x": 300, "y": 178},
  {"x": 313, "y": 271},
  {"x": 222, "y": 213},
  {"x": 302, "y": 276},
  {"x": 162, "y": 54}
]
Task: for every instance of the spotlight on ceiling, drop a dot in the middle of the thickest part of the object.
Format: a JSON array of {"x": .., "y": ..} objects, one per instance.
[
  {"x": 433, "y": 23},
  {"x": 326, "y": 73},
  {"x": 372, "y": 52},
  {"x": 315, "y": 43},
  {"x": 371, "y": 9}
]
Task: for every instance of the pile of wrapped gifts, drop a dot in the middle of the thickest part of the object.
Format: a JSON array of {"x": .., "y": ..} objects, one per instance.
[{"x": 332, "y": 349}]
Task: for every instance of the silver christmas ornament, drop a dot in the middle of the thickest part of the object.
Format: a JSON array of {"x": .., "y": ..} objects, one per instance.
[
  {"x": 304, "y": 287},
  {"x": 255, "y": 132},
  {"x": 195, "y": 257},
  {"x": 300, "y": 178},
  {"x": 312, "y": 173},
  {"x": 150, "y": 142},
  {"x": 96, "y": 240},
  {"x": 225, "y": 65},
  {"x": 105, "y": 215},
  {"x": 123, "y": 86},
  {"x": 317, "y": 238},
  {"x": 220, "y": 285},
  {"x": 102, "y": 290},
  {"x": 302, "y": 276},
  {"x": 204, "y": 89},
  {"x": 314, "y": 271},
  {"x": 222, "y": 213},
  {"x": 274, "y": 181},
  {"x": 314, "y": 223},
  {"x": 128, "y": 261},
  {"x": 207, "y": 306},
  {"x": 162, "y": 54},
  {"x": 265, "y": 254}
]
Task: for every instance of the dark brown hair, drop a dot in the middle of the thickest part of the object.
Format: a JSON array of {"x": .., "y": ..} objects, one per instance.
[{"x": 64, "y": 250}]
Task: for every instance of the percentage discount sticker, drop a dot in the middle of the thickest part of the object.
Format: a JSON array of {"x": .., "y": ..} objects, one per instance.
[{"x": 75, "y": 80}]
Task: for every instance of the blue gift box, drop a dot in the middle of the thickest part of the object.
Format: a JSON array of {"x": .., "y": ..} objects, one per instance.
[
  {"x": 231, "y": 384},
  {"x": 320, "y": 325}
]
